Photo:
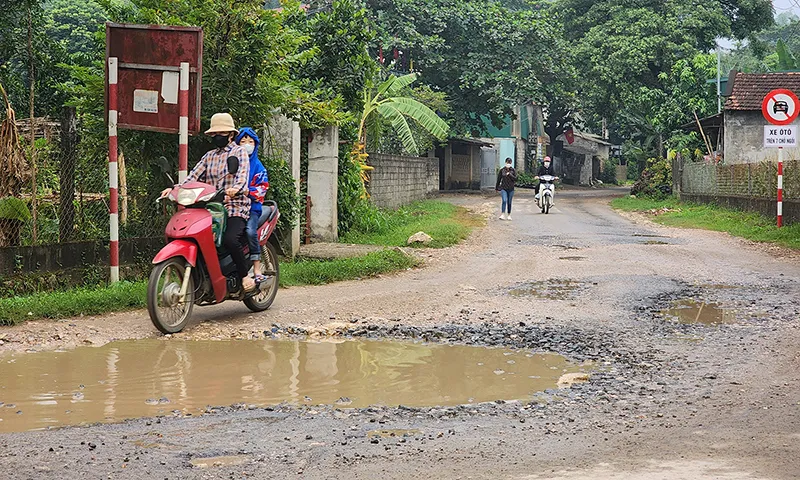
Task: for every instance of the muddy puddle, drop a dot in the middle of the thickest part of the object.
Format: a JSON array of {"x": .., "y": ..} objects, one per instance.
[
  {"x": 547, "y": 290},
  {"x": 692, "y": 311},
  {"x": 155, "y": 377}
]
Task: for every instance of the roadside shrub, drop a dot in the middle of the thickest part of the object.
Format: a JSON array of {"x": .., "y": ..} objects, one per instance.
[
  {"x": 656, "y": 180},
  {"x": 608, "y": 171},
  {"x": 525, "y": 180}
]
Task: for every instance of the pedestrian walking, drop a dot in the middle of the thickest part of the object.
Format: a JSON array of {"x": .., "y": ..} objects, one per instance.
[{"x": 506, "y": 180}]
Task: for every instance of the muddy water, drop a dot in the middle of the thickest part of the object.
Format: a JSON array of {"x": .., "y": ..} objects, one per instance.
[
  {"x": 547, "y": 289},
  {"x": 691, "y": 311},
  {"x": 156, "y": 377}
]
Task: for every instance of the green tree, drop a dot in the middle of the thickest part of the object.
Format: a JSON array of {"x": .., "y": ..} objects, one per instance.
[
  {"x": 484, "y": 56},
  {"x": 75, "y": 25},
  {"x": 384, "y": 103}
]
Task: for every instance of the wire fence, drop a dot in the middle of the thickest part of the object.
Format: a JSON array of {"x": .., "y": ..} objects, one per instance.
[
  {"x": 62, "y": 195},
  {"x": 753, "y": 180}
]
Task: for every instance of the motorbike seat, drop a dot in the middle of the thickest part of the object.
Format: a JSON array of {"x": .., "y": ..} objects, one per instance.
[{"x": 268, "y": 212}]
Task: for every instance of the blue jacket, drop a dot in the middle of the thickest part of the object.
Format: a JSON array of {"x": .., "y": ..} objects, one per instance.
[{"x": 258, "y": 181}]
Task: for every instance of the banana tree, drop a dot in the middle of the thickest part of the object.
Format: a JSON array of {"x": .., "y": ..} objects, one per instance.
[{"x": 384, "y": 103}]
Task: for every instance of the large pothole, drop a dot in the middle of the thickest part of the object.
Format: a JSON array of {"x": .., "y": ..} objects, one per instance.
[{"x": 147, "y": 378}]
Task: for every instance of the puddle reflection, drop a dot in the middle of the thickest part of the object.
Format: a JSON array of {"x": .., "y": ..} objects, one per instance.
[{"x": 154, "y": 377}]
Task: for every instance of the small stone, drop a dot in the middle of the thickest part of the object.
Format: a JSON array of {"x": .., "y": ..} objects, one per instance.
[{"x": 420, "y": 237}]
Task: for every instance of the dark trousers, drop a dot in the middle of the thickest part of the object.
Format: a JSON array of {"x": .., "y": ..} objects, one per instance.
[{"x": 234, "y": 231}]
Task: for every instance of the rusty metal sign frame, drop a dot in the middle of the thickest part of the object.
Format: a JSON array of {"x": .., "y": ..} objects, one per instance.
[{"x": 186, "y": 45}]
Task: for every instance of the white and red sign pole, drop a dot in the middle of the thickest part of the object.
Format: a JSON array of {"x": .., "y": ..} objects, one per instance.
[
  {"x": 780, "y": 108},
  {"x": 780, "y": 187},
  {"x": 183, "y": 131},
  {"x": 113, "y": 175}
]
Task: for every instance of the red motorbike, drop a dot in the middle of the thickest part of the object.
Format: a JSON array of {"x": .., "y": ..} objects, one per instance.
[{"x": 194, "y": 268}]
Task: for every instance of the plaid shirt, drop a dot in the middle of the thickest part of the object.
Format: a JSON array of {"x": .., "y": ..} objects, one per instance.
[{"x": 213, "y": 168}]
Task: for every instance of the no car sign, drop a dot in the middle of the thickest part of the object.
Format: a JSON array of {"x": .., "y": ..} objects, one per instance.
[{"x": 780, "y": 107}]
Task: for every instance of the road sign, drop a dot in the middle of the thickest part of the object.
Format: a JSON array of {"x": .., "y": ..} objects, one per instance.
[
  {"x": 780, "y": 107},
  {"x": 149, "y": 59},
  {"x": 781, "y": 136}
]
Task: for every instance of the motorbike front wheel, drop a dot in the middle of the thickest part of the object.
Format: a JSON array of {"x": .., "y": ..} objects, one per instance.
[
  {"x": 168, "y": 312},
  {"x": 546, "y": 204},
  {"x": 268, "y": 288}
]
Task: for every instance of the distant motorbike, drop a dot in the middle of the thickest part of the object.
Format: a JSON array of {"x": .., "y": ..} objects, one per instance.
[
  {"x": 547, "y": 192},
  {"x": 194, "y": 267}
]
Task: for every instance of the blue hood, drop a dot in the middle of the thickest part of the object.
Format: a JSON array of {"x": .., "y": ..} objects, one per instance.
[{"x": 252, "y": 134}]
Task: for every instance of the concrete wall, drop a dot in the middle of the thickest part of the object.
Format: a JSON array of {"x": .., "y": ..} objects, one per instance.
[
  {"x": 432, "y": 183},
  {"x": 744, "y": 139},
  {"x": 399, "y": 180}
]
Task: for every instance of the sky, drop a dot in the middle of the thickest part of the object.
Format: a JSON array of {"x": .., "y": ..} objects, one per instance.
[{"x": 786, "y": 6}]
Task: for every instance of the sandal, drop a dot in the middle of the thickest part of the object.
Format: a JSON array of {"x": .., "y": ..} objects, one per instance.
[{"x": 248, "y": 285}]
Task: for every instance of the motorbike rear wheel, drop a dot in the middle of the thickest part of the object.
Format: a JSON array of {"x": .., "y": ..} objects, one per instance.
[
  {"x": 269, "y": 288},
  {"x": 167, "y": 312}
]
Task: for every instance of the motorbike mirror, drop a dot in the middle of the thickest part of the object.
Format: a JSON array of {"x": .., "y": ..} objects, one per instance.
[
  {"x": 163, "y": 163},
  {"x": 233, "y": 165}
]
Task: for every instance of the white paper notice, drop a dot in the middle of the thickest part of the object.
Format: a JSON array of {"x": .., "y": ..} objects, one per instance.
[
  {"x": 145, "y": 101},
  {"x": 169, "y": 87}
]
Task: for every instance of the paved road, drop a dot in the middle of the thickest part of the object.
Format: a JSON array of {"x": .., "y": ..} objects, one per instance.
[{"x": 670, "y": 401}]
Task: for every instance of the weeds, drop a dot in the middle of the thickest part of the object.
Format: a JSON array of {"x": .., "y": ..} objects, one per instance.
[{"x": 751, "y": 226}]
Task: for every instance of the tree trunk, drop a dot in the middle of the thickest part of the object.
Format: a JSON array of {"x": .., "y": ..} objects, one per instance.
[
  {"x": 32, "y": 80},
  {"x": 67, "y": 161}
]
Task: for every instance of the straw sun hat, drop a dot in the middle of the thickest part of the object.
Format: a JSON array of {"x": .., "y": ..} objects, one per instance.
[{"x": 222, "y": 123}]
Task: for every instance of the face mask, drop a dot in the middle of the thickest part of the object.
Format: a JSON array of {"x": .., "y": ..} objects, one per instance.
[
  {"x": 249, "y": 149},
  {"x": 547, "y": 165},
  {"x": 508, "y": 165},
  {"x": 220, "y": 141}
]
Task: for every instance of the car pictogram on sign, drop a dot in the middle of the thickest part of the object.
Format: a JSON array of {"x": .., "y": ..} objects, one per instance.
[{"x": 781, "y": 106}]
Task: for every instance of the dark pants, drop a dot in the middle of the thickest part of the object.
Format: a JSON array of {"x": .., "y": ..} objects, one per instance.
[
  {"x": 234, "y": 231},
  {"x": 252, "y": 236}
]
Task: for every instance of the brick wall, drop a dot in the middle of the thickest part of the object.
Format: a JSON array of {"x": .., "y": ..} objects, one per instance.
[{"x": 399, "y": 180}]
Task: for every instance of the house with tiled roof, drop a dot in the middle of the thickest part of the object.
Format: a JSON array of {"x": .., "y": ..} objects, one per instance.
[{"x": 743, "y": 123}]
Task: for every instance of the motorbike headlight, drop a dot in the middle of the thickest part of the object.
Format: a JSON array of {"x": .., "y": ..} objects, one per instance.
[{"x": 188, "y": 196}]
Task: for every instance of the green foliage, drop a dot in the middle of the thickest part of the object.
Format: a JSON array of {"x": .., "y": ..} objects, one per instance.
[
  {"x": 752, "y": 226},
  {"x": 319, "y": 272},
  {"x": 341, "y": 63},
  {"x": 383, "y": 102},
  {"x": 482, "y": 55},
  {"x": 608, "y": 171},
  {"x": 84, "y": 301},
  {"x": 525, "y": 179},
  {"x": 446, "y": 223},
  {"x": 12, "y": 208},
  {"x": 656, "y": 180},
  {"x": 75, "y": 26}
]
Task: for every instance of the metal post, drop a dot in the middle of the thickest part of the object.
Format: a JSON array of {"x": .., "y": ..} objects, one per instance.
[
  {"x": 719, "y": 89},
  {"x": 113, "y": 199},
  {"x": 183, "y": 131},
  {"x": 780, "y": 187}
]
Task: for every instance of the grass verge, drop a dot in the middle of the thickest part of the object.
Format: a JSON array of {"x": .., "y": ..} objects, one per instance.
[
  {"x": 132, "y": 295},
  {"x": 446, "y": 223},
  {"x": 751, "y": 226},
  {"x": 319, "y": 272},
  {"x": 71, "y": 303}
]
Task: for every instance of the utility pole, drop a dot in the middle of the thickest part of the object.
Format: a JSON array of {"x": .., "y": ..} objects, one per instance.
[{"x": 719, "y": 90}]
